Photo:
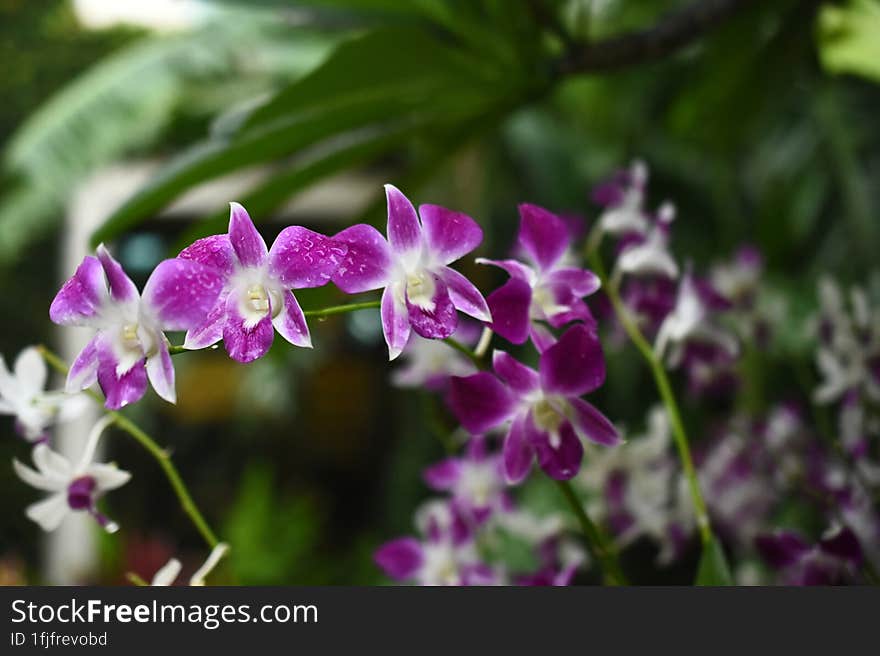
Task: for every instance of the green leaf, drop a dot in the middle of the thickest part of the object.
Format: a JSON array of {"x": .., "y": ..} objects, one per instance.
[
  {"x": 283, "y": 186},
  {"x": 849, "y": 38},
  {"x": 125, "y": 102},
  {"x": 713, "y": 569},
  {"x": 387, "y": 76}
]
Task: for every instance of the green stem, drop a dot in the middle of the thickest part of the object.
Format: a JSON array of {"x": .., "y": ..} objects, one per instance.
[
  {"x": 342, "y": 309},
  {"x": 597, "y": 543},
  {"x": 161, "y": 456},
  {"x": 461, "y": 348},
  {"x": 666, "y": 394}
]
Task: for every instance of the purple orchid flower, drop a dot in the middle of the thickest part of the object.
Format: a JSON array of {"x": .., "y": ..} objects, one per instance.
[
  {"x": 475, "y": 481},
  {"x": 447, "y": 555},
  {"x": 548, "y": 417},
  {"x": 834, "y": 560},
  {"x": 129, "y": 346},
  {"x": 421, "y": 292},
  {"x": 257, "y": 299},
  {"x": 547, "y": 290}
]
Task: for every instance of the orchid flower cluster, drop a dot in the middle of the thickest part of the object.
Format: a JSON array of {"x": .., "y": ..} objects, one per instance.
[{"x": 525, "y": 408}]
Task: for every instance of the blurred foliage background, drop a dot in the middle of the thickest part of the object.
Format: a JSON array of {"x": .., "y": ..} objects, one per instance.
[{"x": 762, "y": 130}]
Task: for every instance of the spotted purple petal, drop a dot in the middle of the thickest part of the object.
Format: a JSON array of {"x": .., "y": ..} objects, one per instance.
[
  {"x": 367, "y": 262},
  {"x": 449, "y": 235},
  {"x": 574, "y": 365},
  {"x": 543, "y": 235},
  {"x": 580, "y": 281},
  {"x": 291, "y": 323},
  {"x": 510, "y": 305},
  {"x": 248, "y": 244},
  {"x": 404, "y": 231},
  {"x": 244, "y": 340},
  {"x": 84, "y": 370},
  {"x": 518, "y": 452},
  {"x": 480, "y": 402},
  {"x": 210, "y": 330},
  {"x": 302, "y": 258},
  {"x": 181, "y": 293},
  {"x": 520, "y": 378},
  {"x": 439, "y": 320},
  {"x": 119, "y": 390},
  {"x": 591, "y": 424},
  {"x": 122, "y": 289},
  {"x": 214, "y": 251},
  {"x": 395, "y": 323},
  {"x": 561, "y": 461},
  {"x": 81, "y": 297},
  {"x": 160, "y": 371},
  {"x": 465, "y": 296}
]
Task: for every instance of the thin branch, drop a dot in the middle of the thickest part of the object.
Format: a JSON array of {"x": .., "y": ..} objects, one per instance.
[{"x": 671, "y": 33}]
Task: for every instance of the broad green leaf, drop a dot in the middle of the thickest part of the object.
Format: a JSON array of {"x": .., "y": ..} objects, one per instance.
[
  {"x": 713, "y": 569},
  {"x": 283, "y": 186},
  {"x": 125, "y": 102},
  {"x": 350, "y": 91},
  {"x": 849, "y": 38},
  {"x": 382, "y": 62}
]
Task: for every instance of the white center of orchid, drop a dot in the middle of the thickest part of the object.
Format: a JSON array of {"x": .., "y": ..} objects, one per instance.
[
  {"x": 257, "y": 296},
  {"x": 478, "y": 481},
  {"x": 544, "y": 304},
  {"x": 440, "y": 566},
  {"x": 420, "y": 289},
  {"x": 548, "y": 418},
  {"x": 130, "y": 335}
]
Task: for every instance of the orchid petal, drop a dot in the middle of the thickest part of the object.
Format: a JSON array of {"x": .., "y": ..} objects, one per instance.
[
  {"x": 443, "y": 475},
  {"x": 543, "y": 235},
  {"x": 400, "y": 559},
  {"x": 366, "y": 264},
  {"x": 439, "y": 320},
  {"x": 465, "y": 296},
  {"x": 215, "y": 251},
  {"x": 84, "y": 370},
  {"x": 592, "y": 425},
  {"x": 291, "y": 323},
  {"x": 518, "y": 452},
  {"x": 520, "y": 378},
  {"x": 449, "y": 235},
  {"x": 119, "y": 389},
  {"x": 181, "y": 293},
  {"x": 50, "y": 512},
  {"x": 480, "y": 402},
  {"x": 244, "y": 340},
  {"x": 210, "y": 330},
  {"x": 122, "y": 289},
  {"x": 404, "y": 231},
  {"x": 510, "y": 307},
  {"x": 395, "y": 322},
  {"x": 82, "y": 297},
  {"x": 561, "y": 461},
  {"x": 248, "y": 244},
  {"x": 303, "y": 258},
  {"x": 574, "y": 365},
  {"x": 160, "y": 371}
]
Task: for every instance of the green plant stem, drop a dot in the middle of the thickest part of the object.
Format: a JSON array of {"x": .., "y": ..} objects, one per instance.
[
  {"x": 597, "y": 544},
  {"x": 461, "y": 348},
  {"x": 342, "y": 309},
  {"x": 666, "y": 394},
  {"x": 186, "y": 501}
]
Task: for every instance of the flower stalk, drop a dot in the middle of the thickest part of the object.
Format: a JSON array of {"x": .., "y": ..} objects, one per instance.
[
  {"x": 161, "y": 456},
  {"x": 596, "y": 541},
  {"x": 661, "y": 379}
]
